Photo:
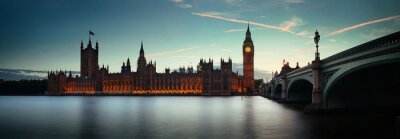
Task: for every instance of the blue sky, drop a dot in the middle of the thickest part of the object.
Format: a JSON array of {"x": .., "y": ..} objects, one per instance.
[{"x": 46, "y": 34}]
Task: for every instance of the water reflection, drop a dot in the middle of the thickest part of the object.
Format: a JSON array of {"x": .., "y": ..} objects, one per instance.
[{"x": 176, "y": 117}]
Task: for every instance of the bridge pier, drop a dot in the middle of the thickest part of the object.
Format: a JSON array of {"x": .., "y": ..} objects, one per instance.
[
  {"x": 272, "y": 91},
  {"x": 317, "y": 94},
  {"x": 284, "y": 89},
  {"x": 269, "y": 91}
]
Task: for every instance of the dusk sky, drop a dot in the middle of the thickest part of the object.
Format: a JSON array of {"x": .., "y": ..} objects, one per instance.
[{"x": 46, "y": 34}]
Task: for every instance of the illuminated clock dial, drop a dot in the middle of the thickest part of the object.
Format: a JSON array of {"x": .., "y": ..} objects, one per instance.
[{"x": 247, "y": 49}]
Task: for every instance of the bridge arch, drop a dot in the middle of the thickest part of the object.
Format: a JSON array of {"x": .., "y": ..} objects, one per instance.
[
  {"x": 309, "y": 79},
  {"x": 369, "y": 84},
  {"x": 300, "y": 90},
  {"x": 278, "y": 91},
  {"x": 269, "y": 90}
]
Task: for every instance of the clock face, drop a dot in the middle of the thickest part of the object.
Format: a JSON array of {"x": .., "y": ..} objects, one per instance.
[{"x": 247, "y": 49}]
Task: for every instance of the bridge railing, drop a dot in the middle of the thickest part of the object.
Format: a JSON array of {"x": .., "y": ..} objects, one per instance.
[
  {"x": 299, "y": 70},
  {"x": 371, "y": 45},
  {"x": 375, "y": 44}
]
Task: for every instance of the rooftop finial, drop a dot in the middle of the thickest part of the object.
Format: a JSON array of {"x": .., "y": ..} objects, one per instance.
[
  {"x": 248, "y": 33},
  {"x": 248, "y": 26},
  {"x": 141, "y": 48}
]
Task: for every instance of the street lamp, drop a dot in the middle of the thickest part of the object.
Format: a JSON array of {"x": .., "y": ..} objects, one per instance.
[{"x": 316, "y": 40}]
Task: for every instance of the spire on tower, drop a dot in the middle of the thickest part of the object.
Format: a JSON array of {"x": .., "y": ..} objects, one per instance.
[
  {"x": 97, "y": 45},
  {"x": 81, "y": 44},
  {"x": 141, "y": 49},
  {"x": 141, "y": 46},
  {"x": 248, "y": 28},
  {"x": 248, "y": 34}
]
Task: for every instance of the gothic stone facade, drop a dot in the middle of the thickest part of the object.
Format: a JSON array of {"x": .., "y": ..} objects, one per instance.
[
  {"x": 205, "y": 81},
  {"x": 98, "y": 80}
]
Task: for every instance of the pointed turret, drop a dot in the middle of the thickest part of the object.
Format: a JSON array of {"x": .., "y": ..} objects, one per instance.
[
  {"x": 141, "y": 49},
  {"x": 81, "y": 44},
  {"x": 70, "y": 74},
  {"x": 123, "y": 68},
  {"x": 97, "y": 45},
  {"x": 248, "y": 34},
  {"x": 128, "y": 65},
  {"x": 89, "y": 44},
  {"x": 141, "y": 63},
  {"x": 248, "y": 29}
]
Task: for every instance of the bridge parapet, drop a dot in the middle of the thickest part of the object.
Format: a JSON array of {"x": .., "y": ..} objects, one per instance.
[
  {"x": 380, "y": 43},
  {"x": 327, "y": 71},
  {"x": 300, "y": 71}
]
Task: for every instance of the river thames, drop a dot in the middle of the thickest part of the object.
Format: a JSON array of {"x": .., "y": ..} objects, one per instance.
[{"x": 177, "y": 117}]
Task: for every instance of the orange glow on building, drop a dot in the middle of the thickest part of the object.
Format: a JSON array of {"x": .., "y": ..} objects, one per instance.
[{"x": 145, "y": 81}]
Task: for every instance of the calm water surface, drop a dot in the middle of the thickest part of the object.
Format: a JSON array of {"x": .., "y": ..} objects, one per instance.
[{"x": 176, "y": 117}]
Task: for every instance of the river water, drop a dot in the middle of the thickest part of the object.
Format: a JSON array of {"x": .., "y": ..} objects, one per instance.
[{"x": 177, "y": 117}]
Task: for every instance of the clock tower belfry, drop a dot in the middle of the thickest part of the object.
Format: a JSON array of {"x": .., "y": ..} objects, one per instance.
[{"x": 248, "y": 62}]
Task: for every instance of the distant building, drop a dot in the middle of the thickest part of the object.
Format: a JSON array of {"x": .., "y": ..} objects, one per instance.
[{"x": 205, "y": 81}]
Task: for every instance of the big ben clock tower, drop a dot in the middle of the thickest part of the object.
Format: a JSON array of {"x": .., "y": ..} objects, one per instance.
[{"x": 248, "y": 62}]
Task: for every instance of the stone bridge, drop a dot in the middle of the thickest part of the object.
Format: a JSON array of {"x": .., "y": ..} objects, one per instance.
[{"x": 365, "y": 76}]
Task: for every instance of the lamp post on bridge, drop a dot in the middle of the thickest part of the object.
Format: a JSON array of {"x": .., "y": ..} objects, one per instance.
[
  {"x": 316, "y": 40},
  {"x": 317, "y": 92}
]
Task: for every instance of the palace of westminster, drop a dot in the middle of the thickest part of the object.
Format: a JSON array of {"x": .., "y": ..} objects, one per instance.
[{"x": 206, "y": 80}]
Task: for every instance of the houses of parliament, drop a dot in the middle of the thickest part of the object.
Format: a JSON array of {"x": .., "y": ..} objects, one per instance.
[{"x": 146, "y": 80}]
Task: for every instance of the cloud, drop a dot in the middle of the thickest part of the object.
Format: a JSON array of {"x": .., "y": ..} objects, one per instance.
[
  {"x": 294, "y": 1},
  {"x": 170, "y": 52},
  {"x": 184, "y": 49},
  {"x": 235, "y": 30},
  {"x": 364, "y": 24},
  {"x": 225, "y": 14},
  {"x": 295, "y": 21},
  {"x": 284, "y": 29},
  {"x": 234, "y": 2},
  {"x": 242, "y": 30},
  {"x": 182, "y": 3},
  {"x": 309, "y": 42},
  {"x": 376, "y": 33},
  {"x": 332, "y": 40},
  {"x": 303, "y": 33},
  {"x": 19, "y": 74},
  {"x": 262, "y": 16},
  {"x": 157, "y": 54},
  {"x": 184, "y": 57},
  {"x": 226, "y": 50}
]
